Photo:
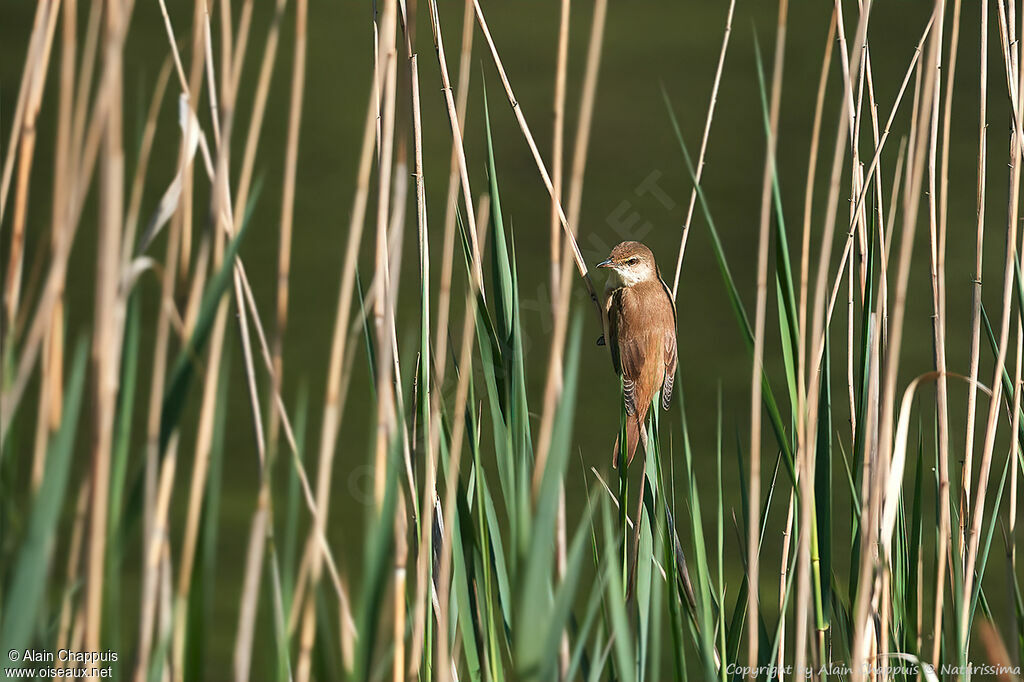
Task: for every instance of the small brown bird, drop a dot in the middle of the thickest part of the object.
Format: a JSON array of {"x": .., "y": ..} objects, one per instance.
[{"x": 641, "y": 323}]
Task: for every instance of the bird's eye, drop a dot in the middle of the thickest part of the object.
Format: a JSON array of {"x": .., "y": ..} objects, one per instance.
[{"x": 633, "y": 261}]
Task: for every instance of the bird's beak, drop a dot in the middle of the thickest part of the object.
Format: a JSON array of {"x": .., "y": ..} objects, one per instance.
[{"x": 605, "y": 264}]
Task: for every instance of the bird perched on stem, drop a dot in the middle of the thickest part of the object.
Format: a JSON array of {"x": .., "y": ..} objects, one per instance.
[{"x": 641, "y": 324}]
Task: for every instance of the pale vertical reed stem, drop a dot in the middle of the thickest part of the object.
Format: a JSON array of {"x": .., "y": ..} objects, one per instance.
[
  {"x": 106, "y": 340},
  {"x": 849, "y": 353},
  {"x": 51, "y": 382},
  {"x": 27, "y": 142},
  {"x": 381, "y": 308},
  {"x": 72, "y": 571},
  {"x": 754, "y": 496},
  {"x": 258, "y": 109},
  {"x": 424, "y": 248},
  {"x": 562, "y": 62},
  {"x": 872, "y": 170},
  {"x": 817, "y": 338},
  {"x": 159, "y": 370},
  {"x": 805, "y": 246},
  {"x": 262, "y": 525},
  {"x": 37, "y": 36},
  {"x": 993, "y": 412},
  {"x": 288, "y": 206},
  {"x": 877, "y": 177},
  {"x": 703, "y": 148},
  {"x": 335, "y": 395},
  {"x": 972, "y": 394},
  {"x": 521, "y": 118},
  {"x": 787, "y": 538},
  {"x": 202, "y": 56},
  {"x": 204, "y": 441},
  {"x": 154, "y": 545},
  {"x": 561, "y": 66},
  {"x": 873, "y": 486},
  {"x": 439, "y": 357},
  {"x": 456, "y": 129},
  {"x": 857, "y": 222},
  {"x": 552, "y": 387},
  {"x": 84, "y": 160},
  {"x": 937, "y": 264},
  {"x": 588, "y": 94},
  {"x": 334, "y": 398}
]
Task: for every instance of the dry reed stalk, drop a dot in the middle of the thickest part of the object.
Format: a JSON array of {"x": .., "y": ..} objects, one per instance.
[
  {"x": 965, "y": 480},
  {"x": 919, "y": 122},
  {"x": 204, "y": 434},
  {"x": 456, "y": 129},
  {"x": 937, "y": 227},
  {"x": 399, "y": 666},
  {"x": 249, "y": 600},
  {"x": 71, "y": 574},
  {"x": 258, "y": 111},
  {"x": 805, "y": 247},
  {"x": 558, "y": 134},
  {"x": 553, "y": 381},
  {"x": 439, "y": 359},
  {"x": 84, "y": 149},
  {"x": 288, "y": 205},
  {"x": 555, "y": 370},
  {"x": 817, "y": 338},
  {"x": 37, "y": 40},
  {"x": 261, "y": 527},
  {"x": 521, "y": 118},
  {"x": 787, "y": 538},
  {"x": 552, "y": 387},
  {"x": 154, "y": 542},
  {"x": 876, "y": 177},
  {"x": 451, "y": 204},
  {"x": 27, "y": 142},
  {"x": 109, "y": 312},
  {"x": 993, "y": 412},
  {"x": 754, "y": 496},
  {"x": 334, "y": 398},
  {"x": 553, "y": 384},
  {"x": 703, "y": 148},
  {"x": 200, "y": 468},
  {"x": 52, "y": 370},
  {"x": 872, "y": 172},
  {"x": 587, "y": 97},
  {"x": 857, "y": 221}
]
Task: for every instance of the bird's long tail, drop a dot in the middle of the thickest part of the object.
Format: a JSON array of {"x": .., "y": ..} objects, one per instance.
[{"x": 634, "y": 434}]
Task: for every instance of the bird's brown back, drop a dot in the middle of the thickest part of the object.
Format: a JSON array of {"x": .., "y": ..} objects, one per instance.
[{"x": 642, "y": 328}]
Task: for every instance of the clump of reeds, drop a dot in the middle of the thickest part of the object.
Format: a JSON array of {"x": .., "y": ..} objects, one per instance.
[{"x": 471, "y": 566}]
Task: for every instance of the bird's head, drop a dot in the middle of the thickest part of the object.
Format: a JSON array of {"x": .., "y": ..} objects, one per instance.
[{"x": 632, "y": 263}]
